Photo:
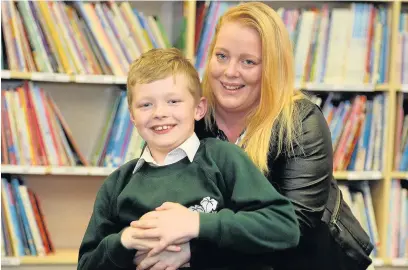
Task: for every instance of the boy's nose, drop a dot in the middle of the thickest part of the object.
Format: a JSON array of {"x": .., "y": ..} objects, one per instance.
[{"x": 161, "y": 112}]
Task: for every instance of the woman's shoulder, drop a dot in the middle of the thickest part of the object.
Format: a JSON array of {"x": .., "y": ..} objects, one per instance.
[
  {"x": 313, "y": 134},
  {"x": 202, "y": 130},
  {"x": 306, "y": 108}
]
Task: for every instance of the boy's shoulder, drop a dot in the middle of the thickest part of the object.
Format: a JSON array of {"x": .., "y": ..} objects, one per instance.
[
  {"x": 117, "y": 180},
  {"x": 124, "y": 172}
]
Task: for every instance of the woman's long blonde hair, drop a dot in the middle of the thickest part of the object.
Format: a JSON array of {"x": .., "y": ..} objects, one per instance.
[{"x": 276, "y": 116}]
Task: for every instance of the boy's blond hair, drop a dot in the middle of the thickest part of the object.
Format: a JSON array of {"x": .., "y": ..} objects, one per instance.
[{"x": 158, "y": 64}]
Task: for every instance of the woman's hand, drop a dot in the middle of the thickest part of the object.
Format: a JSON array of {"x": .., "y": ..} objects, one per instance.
[
  {"x": 132, "y": 238},
  {"x": 172, "y": 223},
  {"x": 165, "y": 260}
]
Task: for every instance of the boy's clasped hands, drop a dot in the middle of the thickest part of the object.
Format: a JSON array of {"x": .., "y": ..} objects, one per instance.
[{"x": 161, "y": 237}]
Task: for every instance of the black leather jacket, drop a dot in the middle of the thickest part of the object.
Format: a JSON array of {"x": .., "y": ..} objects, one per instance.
[{"x": 305, "y": 178}]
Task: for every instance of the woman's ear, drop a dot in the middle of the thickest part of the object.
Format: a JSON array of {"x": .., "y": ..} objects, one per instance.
[{"x": 201, "y": 109}]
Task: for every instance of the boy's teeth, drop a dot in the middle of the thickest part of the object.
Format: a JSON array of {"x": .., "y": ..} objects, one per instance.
[{"x": 162, "y": 127}]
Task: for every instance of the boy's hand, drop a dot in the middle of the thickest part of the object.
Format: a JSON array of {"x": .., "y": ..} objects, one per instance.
[
  {"x": 130, "y": 239},
  {"x": 165, "y": 260},
  {"x": 172, "y": 223}
]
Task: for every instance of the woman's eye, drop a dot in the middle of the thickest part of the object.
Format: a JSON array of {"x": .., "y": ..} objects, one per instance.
[
  {"x": 220, "y": 56},
  {"x": 249, "y": 62}
]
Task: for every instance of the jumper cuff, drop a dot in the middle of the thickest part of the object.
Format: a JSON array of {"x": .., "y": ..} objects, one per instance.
[
  {"x": 209, "y": 227},
  {"x": 118, "y": 254}
]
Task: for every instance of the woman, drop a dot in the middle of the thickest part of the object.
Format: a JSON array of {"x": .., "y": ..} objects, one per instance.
[{"x": 249, "y": 84}]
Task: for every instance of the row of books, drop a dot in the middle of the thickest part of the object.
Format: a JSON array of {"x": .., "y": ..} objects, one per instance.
[
  {"x": 401, "y": 135},
  {"x": 24, "y": 230},
  {"x": 119, "y": 140},
  {"x": 397, "y": 233},
  {"x": 401, "y": 62},
  {"x": 23, "y": 227},
  {"x": 338, "y": 45},
  {"x": 357, "y": 130},
  {"x": 103, "y": 38},
  {"x": 358, "y": 197},
  {"x": 77, "y": 38},
  {"x": 34, "y": 131}
]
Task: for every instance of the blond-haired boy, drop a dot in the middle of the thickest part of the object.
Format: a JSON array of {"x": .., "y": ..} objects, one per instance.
[{"x": 223, "y": 198}]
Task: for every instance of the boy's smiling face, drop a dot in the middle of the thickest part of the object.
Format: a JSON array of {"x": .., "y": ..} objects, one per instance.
[{"x": 164, "y": 112}]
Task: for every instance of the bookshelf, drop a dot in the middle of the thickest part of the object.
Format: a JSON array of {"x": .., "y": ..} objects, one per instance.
[
  {"x": 59, "y": 170},
  {"x": 67, "y": 192},
  {"x": 63, "y": 257},
  {"x": 403, "y": 88},
  {"x": 63, "y": 78},
  {"x": 105, "y": 171}
]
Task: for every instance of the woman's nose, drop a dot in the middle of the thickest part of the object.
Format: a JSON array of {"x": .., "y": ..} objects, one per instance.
[{"x": 232, "y": 69}]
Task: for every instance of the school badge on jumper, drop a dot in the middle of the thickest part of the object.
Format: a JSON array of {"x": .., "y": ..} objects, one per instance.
[{"x": 207, "y": 205}]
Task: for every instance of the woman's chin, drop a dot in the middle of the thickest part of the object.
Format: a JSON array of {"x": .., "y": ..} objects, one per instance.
[{"x": 231, "y": 106}]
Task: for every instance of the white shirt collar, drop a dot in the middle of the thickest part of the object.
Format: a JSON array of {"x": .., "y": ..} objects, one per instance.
[{"x": 188, "y": 148}]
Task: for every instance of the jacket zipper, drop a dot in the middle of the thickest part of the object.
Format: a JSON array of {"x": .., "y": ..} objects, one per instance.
[{"x": 336, "y": 210}]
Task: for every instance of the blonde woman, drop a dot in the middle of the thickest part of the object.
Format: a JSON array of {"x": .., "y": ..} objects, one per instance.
[{"x": 249, "y": 85}]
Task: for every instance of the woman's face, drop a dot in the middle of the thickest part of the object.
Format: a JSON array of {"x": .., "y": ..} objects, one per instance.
[{"x": 236, "y": 68}]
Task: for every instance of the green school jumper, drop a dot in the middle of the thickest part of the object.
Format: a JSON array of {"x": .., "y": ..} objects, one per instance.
[{"x": 238, "y": 207}]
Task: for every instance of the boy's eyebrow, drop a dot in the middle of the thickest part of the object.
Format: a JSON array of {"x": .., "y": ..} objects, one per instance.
[
  {"x": 220, "y": 49},
  {"x": 170, "y": 94}
]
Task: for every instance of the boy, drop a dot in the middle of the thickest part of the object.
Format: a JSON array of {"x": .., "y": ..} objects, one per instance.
[{"x": 212, "y": 178}]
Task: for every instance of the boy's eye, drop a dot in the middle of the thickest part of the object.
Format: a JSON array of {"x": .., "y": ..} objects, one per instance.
[
  {"x": 174, "y": 101},
  {"x": 144, "y": 105}
]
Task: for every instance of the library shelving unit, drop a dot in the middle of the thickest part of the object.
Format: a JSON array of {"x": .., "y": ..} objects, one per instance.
[{"x": 67, "y": 193}]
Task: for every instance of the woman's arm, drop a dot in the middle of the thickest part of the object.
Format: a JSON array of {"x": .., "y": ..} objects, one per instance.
[{"x": 304, "y": 177}]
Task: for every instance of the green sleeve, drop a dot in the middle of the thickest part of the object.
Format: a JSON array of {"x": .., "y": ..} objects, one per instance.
[
  {"x": 257, "y": 218},
  {"x": 101, "y": 247}
]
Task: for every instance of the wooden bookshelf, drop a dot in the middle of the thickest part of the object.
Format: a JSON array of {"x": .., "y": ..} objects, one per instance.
[
  {"x": 345, "y": 87},
  {"x": 70, "y": 257},
  {"x": 121, "y": 80},
  {"x": 403, "y": 88},
  {"x": 60, "y": 257},
  {"x": 61, "y": 170},
  {"x": 399, "y": 175},
  {"x": 401, "y": 263},
  {"x": 69, "y": 191},
  {"x": 358, "y": 175},
  {"x": 63, "y": 78},
  {"x": 105, "y": 171}
]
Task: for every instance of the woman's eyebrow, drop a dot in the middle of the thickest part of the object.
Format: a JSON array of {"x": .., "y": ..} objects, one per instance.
[{"x": 248, "y": 55}]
